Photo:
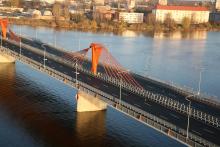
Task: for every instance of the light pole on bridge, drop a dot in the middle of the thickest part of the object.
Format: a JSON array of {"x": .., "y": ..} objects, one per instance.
[
  {"x": 200, "y": 79},
  {"x": 120, "y": 86},
  {"x": 44, "y": 53},
  {"x": 20, "y": 39},
  {"x": 187, "y": 98},
  {"x": 76, "y": 76}
]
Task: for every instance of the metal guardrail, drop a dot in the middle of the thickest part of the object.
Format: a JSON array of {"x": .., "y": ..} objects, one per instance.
[
  {"x": 151, "y": 120},
  {"x": 202, "y": 97},
  {"x": 160, "y": 99}
]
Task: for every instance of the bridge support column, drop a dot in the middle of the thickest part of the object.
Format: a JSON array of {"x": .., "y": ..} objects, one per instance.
[
  {"x": 86, "y": 102},
  {"x": 4, "y": 58}
]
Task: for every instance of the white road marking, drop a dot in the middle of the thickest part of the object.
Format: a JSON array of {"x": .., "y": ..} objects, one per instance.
[
  {"x": 147, "y": 104},
  {"x": 125, "y": 94},
  {"x": 164, "y": 117},
  {"x": 174, "y": 115},
  {"x": 115, "y": 95},
  {"x": 208, "y": 131},
  {"x": 105, "y": 85},
  {"x": 196, "y": 132},
  {"x": 137, "y": 105}
]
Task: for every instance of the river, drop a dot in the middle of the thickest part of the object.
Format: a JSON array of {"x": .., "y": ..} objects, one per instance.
[{"x": 36, "y": 110}]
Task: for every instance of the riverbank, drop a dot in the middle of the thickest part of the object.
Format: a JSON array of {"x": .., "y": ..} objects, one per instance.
[{"x": 116, "y": 27}]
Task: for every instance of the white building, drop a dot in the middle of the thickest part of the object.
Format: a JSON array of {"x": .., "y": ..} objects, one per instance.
[
  {"x": 217, "y": 5},
  {"x": 195, "y": 13},
  {"x": 162, "y": 2},
  {"x": 131, "y": 17}
]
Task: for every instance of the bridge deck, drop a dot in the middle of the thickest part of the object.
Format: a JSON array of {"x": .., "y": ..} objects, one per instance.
[
  {"x": 147, "y": 83},
  {"x": 197, "y": 127}
]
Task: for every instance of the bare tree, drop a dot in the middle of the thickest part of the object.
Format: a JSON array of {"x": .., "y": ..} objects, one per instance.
[
  {"x": 66, "y": 13},
  {"x": 57, "y": 9},
  {"x": 186, "y": 22},
  {"x": 151, "y": 19},
  {"x": 15, "y": 3},
  {"x": 169, "y": 22}
]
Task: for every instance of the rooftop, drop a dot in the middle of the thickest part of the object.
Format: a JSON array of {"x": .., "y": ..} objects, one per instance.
[{"x": 189, "y": 8}]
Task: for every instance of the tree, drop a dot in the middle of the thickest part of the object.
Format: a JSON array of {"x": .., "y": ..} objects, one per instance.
[
  {"x": 93, "y": 24},
  {"x": 169, "y": 22},
  {"x": 186, "y": 22},
  {"x": 66, "y": 13},
  {"x": 15, "y": 3},
  {"x": 57, "y": 9},
  {"x": 151, "y": 19}
]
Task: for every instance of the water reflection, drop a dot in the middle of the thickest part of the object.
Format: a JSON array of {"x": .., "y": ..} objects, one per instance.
[
  {"x": 85, "y": 122},
  {"x": 197, "y": 35},
  {"x": 8, "y": 70},
  {"x": 43, "y": 116}
]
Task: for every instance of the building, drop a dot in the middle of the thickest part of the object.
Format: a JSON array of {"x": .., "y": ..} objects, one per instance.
[
  {"x": 217, "y": 5},
  {"x": 214, "y": 17},
  {"x": 102, "y": 12},
  {"x": 197, "y": 14},
  {"x": 131, "y": 17},
  {"x": 130, "y": 4},
  {"x": 99, "y": 2},
  {"x": 162, "y": 2}
]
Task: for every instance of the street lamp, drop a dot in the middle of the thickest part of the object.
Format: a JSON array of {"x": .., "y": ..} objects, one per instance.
[
  {"x": 200, "y": 80},
  {"x": 79, "y": 43},
  {"x": 121, "y": 84},
  {"x": 55, "y": 39},
  {"x": 1, "y": 39},
  {"x": 189, "y": 113},
  {"x": 35, "y": 33},
  {"x": 187, "y": 98},
  {"x": 76, "y": 76},
  {"x": 44, "y": 53},
  {"x": 20, "y": 39}
]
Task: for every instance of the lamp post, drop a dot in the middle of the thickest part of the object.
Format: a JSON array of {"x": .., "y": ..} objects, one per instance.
[
  {"x": 200, "y": 79},
  {"x": 189, "y": 113},
  {"x": 44, "y": 53},
  {"x": 20, "y": 39},
  {"x": 79, "y": 43},
  {"x": 1, "y": 39},
  {"x": 120, "y": 85},
  {"x": 76, "y": 76},
  {"x": 187, "y": 98},
  {"x": 55, "y": 39},
  {"x": 35, "y": 33}
]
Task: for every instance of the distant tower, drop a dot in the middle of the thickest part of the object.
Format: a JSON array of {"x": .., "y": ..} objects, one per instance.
[
  {"x": 217, "y": 5},
  {"x": 162, "y": 2}
]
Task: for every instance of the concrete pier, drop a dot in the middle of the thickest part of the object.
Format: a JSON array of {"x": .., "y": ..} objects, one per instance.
[
  {"x": 4, "y": 58},
  {"x": 86, "y": 102}
]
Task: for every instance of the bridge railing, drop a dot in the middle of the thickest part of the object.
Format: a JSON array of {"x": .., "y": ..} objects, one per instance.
[
  {"x": 130, "y": 109},
  {"x": 163, "y": 100},
  {"x": 202, "y": 97}
]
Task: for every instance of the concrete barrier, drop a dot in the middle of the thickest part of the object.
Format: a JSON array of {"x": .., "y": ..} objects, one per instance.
[
  {"x": 87, "y": 102},
  {"x": 4, "y": 58}
]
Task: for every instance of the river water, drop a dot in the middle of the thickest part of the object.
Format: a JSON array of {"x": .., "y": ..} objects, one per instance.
[{"x": 36, "y": 110}]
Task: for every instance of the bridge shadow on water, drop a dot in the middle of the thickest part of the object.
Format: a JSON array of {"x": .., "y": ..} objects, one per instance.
[
  {"x": 48, "y": 120},
  {"x": 43, "y": 114}
]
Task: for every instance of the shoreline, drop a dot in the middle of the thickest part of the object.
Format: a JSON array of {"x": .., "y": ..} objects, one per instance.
[{"x": 144, "y": 28}]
